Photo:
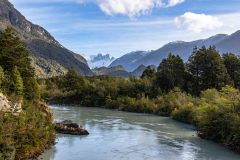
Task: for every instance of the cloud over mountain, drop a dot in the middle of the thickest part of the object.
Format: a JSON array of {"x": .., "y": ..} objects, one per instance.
[
  {"x": 134, "y": 8},
  {"x": 197, "y": 22}
]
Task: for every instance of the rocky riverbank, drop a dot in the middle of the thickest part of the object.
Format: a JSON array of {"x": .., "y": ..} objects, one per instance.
[{"x": 68, "y": 127}]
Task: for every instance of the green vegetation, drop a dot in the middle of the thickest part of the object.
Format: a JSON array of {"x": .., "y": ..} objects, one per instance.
[
  {"x": 232, "y": 63},
  {"x": 171, "y": 73},
  {"x": 218, "y": 116},
  {"x": 45, "y": 68},
  {"x": 26, "y": 134},
  {"x": 200, "y": 92},
  {"x": 148, "y": 72},
  {"x": 207, "y": 70}
]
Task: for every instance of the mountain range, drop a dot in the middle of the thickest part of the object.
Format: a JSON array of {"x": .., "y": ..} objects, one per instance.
[
  {"x": 50, "y": 58},
  {"x": 224, "y": 43},
  {"x": 99, "y": 60}
]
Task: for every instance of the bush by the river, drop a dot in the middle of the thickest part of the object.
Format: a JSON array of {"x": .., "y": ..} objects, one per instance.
[
  {"x": 218, "y": 116},
  {"x": 25, "y": 135}
]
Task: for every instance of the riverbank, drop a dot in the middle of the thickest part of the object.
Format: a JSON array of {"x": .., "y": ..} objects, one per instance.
[
  {"x": 181, "y": 114},
  {"x": 124, "y": 135},
  {"x": 214, "y": 111},
  {"x": 206, "y": 112},
  {"x": 27, "y": 134}
]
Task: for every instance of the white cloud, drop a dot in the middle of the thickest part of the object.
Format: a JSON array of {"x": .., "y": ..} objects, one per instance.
[
  {"x": 197, "y": 22},
  {"x": 134, "y": 8},
  {"x": 172, "y": 3}
]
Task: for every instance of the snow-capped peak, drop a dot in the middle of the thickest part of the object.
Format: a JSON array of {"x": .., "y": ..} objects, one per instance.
[{"x": 100, "y": 60}]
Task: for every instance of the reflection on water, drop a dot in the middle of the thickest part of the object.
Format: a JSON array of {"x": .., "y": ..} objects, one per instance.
[{"x": 118, "y": 135}]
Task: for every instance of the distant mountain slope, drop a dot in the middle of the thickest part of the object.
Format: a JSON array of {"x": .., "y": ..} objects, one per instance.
[
  {"x": 117, "y": 71},
  {"x": 128, "y": 61},
  {"x": 39, "y": 42},
  {"x": 47, "y": 68},
  {"x": 138, "y": 71},
  {"x": 224, "y": 43},
  {"x": 100, "y": 60}
]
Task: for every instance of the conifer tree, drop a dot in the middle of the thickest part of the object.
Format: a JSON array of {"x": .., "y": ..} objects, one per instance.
[
  {"x": 31, "y": 89},
  {"x": 17, "y": 82},
  {"x": 13, "y": 53},
  {"x": 148, "y": 72},
  {"x": 207, "y": 70},
  {"x": 232, "y": 63},
  {"x": 171, "y": 73}
]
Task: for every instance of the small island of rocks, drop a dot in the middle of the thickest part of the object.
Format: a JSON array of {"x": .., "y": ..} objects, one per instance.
[{"x": 68, "y": 127}]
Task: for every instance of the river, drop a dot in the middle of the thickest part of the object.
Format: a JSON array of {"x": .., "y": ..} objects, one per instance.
[{"x": 116, "y": 135}]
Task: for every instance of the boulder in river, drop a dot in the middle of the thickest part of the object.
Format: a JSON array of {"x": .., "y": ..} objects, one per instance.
[{"x": 68, "y": 127}]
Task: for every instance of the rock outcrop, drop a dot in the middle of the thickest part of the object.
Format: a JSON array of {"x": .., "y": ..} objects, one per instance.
[
  {"x": 68, "y": 127},
  {"x": 7, "y": 106}
]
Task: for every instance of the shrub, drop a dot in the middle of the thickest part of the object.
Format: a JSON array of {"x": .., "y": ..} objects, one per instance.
[
  {"x": 218, "y": 115},
  {"x": 25, "y": 135},
  {"x": 175, "y": 102},
  {"x": 184, "y": 114},
  {"x": 142, "y": 105}
]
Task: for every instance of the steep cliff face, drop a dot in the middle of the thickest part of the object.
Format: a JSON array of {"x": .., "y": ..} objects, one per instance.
[{"x": 39, "y": 41}]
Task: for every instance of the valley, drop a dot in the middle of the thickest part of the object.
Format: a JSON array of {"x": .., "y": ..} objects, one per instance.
[{"x": 178, "y": 102}]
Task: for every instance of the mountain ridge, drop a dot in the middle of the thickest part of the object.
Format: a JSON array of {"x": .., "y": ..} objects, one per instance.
[
  {"x": 223, "y": 42},
  {"x": 40, "y": 43}
]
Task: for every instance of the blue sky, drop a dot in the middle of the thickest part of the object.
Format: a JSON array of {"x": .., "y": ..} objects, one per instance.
[{"x": 121, "y": 26}]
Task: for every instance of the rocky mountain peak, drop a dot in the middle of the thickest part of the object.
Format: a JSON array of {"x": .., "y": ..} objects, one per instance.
[{"x": 12, "y": 17}]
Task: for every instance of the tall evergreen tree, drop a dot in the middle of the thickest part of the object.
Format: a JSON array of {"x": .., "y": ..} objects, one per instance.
[
  {"x": 72, "y": 81},
  {"x": 171, "y": 73},
  {"x": 14, "y": 59},
  {"x": 232, "y": 63},
  {"x": 14, "y": 53},
  {"x": 207, "y": 69},
  {"x": 16, "y": 82},
  {"x": 31, "y": 89}
]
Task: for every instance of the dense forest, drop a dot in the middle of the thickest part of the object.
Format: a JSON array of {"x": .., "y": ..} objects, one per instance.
[
  {"x": 27, "y": 133},
  {"x": 203, "y": 92}
]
